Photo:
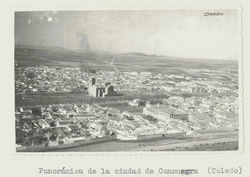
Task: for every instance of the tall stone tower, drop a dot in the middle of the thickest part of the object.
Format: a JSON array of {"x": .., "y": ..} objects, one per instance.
[{"x": 93, "y": 82}]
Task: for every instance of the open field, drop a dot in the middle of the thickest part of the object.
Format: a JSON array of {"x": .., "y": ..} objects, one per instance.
[
  {"x": 31, "y": 56},
  {"x": 223, "y": 146},
  {"x": 204, "y": 140},
  {"x": 170, "y": 65},
  {"x": 64, "y": 58},
  {"x": 224, "y": 140},
  {"x": 78, "y": 98}
]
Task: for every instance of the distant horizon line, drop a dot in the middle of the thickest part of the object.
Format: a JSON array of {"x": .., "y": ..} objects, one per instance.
[{"x": 114, "y": 53}]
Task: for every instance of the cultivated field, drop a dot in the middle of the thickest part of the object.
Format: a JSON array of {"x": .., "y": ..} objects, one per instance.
[{"x": 31, "y": 56}]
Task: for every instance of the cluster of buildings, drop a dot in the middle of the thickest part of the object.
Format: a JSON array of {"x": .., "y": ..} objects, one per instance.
[
  {"x": 64, "y": 79},
  {"x": 174, "y": 83},
  {"x": 60, "y": 124},
  {"x": 44, "y": 79},
  {"x": 164, "y": 112},
  {"x": 204, "y": 112}
]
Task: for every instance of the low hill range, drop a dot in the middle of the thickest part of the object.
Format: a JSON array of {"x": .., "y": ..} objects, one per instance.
[{"x": 30, "y": 55}]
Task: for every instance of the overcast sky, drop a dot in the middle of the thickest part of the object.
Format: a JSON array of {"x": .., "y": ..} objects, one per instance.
[{"x": 177, "y": 33}]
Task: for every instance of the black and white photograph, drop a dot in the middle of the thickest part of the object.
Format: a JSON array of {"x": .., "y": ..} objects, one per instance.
[{"x": 127, "y": 80}]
